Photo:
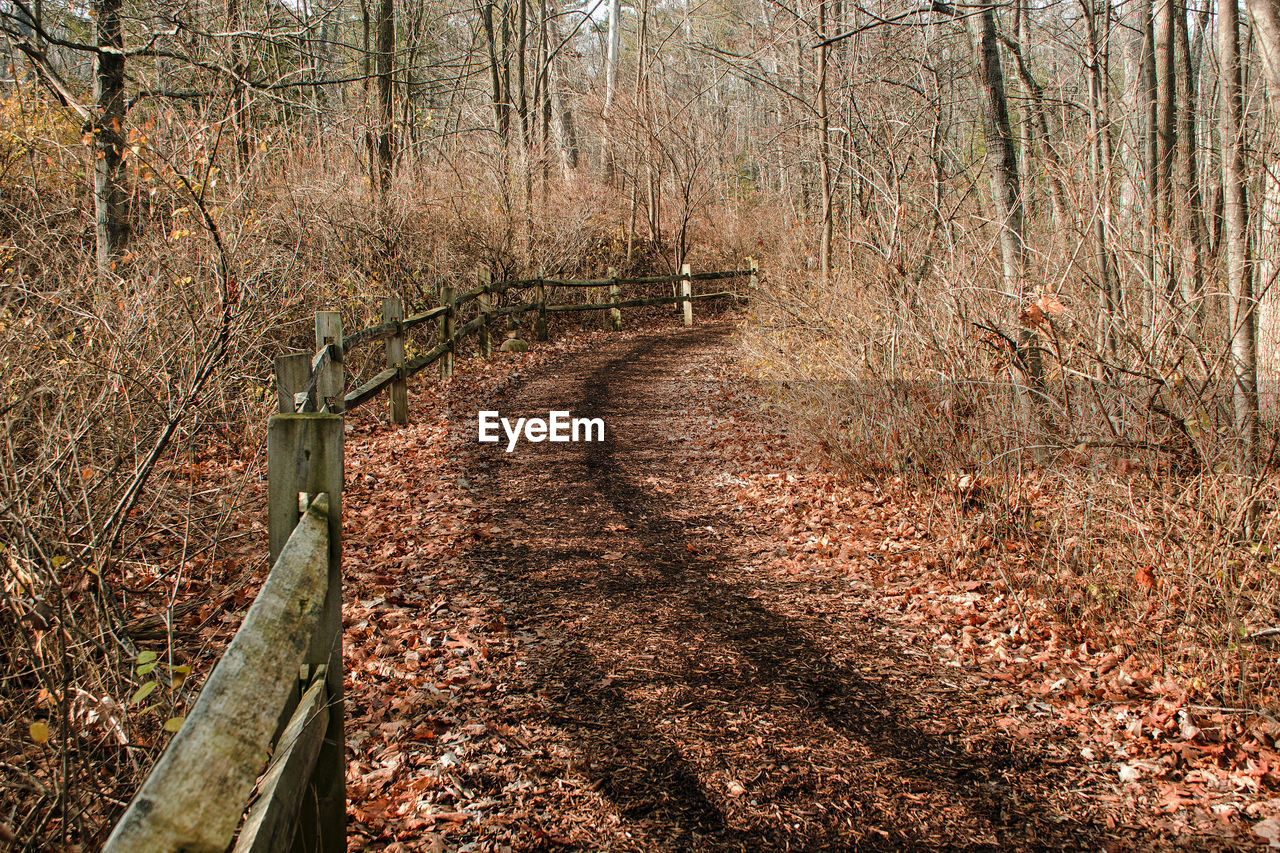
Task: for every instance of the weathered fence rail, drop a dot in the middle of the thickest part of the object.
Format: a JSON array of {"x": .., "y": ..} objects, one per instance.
[
  {"x": 260, "y": 762},
  {"x": 395, "y": 331}
]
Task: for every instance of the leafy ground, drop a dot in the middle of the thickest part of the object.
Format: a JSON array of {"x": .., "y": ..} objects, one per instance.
[{"x": 696, "y": 636}]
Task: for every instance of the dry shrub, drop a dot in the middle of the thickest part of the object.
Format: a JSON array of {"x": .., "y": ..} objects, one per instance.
[{"x": 1119, "y": 470}]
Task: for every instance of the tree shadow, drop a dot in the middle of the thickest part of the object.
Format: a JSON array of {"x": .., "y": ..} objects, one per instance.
[{"x": 728, "y": 657}]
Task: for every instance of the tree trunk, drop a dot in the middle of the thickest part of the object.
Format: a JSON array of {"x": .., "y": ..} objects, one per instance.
[
  {"x": 1150, "y": 180},
  {"x": 1026, "y": 129},
  {"x": 1188, "y": 212},
  {"x": 239, "y": 93},
  {"x": 1166, "y": 12},
  {"x": 386, "y": 33},
  {"x": 1001, "y": 159},
  {"x": 1002, "y": 162},
  {"x": 824, "y": 149},
  {"x": 610, "y": 85},
  {"x": 1235, "y": 214},
  {"x": 1053, "y": 168},
  {"x": 1266, "y": 31},
  {"x": 111, "y": 218},
  {"x": 1100, "y": 160},
  {"x": 522, "y": 84},
  {"x": 501, "y": 120},
  {"x": 561, "y": 110}
]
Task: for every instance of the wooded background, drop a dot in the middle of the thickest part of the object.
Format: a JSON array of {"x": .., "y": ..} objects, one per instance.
[{"x": 1024, "y": 253}]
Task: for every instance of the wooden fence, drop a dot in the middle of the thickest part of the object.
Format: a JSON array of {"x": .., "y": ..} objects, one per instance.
[{"x": 274, "y": 699}]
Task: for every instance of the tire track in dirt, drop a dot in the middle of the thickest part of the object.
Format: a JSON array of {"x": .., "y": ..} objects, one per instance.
[{"x": 695, "y": 699}]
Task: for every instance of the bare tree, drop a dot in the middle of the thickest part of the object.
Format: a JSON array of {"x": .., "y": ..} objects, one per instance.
[
  {"x": 824, "y": 147},
  {"x": 613, "y": 51},
  {"x": 109, "y": 195},
  {"x": 1265, "y": 15},
  {"x": 385, "y": 27},
  {"x": 1002, "y": 165},
  {"x": 1236, "y": 239}
]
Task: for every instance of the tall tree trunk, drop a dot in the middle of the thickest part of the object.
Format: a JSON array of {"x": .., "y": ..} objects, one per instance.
[
  {"x": 1026, "y": 128},
  {"x": 1166, "y": 13},
  {"x": 1002, "y": 163},
  {"x": 1188, "y": 213},
  {"x": 111, "y": 219},
  {"x": 1100, "y": 167},
  {"x": 801, "y": 128},
  {"x": 386, "y": 34},
  {"x": 522, "y": 47},
  {"x": 561, "y": 110},
  {"x": 641, "y": 154},
  {"x": 1266, "y": 30},
  {"x": 1150, "y": 133},
  {"x": 239, "y": 93},
  {"x": 366, "y": 83},
  {"x": 501, "y": 119},
  {"x": 610, "y": 85},
  {"x": 824, "y": 149},
  {"x": 1130, "y": 177},
  {"x": 1053, "y": 168},
  {"x": 1235, "y": 214}
]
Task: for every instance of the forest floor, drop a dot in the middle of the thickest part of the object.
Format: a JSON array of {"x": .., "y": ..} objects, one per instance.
[{"x": 696, "y": 636}]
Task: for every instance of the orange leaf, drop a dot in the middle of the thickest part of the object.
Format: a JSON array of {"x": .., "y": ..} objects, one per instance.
[{"x": 1145, "y": 577}]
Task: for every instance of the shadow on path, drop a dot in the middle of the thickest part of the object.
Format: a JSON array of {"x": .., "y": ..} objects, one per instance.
[{"x": 710, "y": 708}]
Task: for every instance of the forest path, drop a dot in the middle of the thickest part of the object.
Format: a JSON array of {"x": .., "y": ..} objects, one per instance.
[{"x": 612, "y": 658}]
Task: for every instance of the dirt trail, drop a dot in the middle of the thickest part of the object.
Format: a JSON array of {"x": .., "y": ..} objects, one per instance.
[{"x": 651, "y": 684}]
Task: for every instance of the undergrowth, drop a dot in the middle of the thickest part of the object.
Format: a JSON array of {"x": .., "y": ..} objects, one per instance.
[
  {"x": 135, "y": 404},
  {"x": 1119, "y": 471}
]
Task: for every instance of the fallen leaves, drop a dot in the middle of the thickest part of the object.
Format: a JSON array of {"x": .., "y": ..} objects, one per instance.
[
  {"x": 1269, "y": 831},
  {"x": 494, "y": 667}
]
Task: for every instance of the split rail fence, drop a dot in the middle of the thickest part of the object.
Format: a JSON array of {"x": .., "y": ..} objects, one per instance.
[{"x": 274, "y": 699}]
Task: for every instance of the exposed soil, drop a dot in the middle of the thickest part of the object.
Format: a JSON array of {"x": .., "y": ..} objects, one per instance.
[{"x": 599, "y": 648}]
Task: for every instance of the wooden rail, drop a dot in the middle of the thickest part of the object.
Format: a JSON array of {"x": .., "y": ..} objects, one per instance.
[
  {"x": 395, "y": 331},
  {"x": 260, "y": 760}
]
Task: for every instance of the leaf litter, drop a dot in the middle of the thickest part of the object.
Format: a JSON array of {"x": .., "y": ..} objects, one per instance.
[{"x": 699, "y": 635}]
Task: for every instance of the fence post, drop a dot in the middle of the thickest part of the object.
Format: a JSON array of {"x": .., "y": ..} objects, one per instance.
[
  {"x": 329, "y": 383},
  {"x": 304, "y": 454},
  {"x": 615, "y": 295},
  {"x": 485, "y": 336},
  {"x": 686, "y": 290},
  {"x": 292, "y": 373},
  {"x": 540, "y": 325},
  {"x": 446, "y": 330},
  {"x": 393, "y": 312},
  {"x": 753, "y": 281}
]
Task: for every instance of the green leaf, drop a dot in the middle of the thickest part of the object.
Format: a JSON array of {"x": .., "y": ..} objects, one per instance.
[
  {"x": 174, "y": 723},
  {"x": 146, "y": 668},
  {"x": 142, "y": 692},
  {"x": 146, "y": 657}
]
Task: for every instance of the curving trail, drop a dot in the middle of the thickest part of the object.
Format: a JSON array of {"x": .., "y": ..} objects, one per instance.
[{"x": 636, "y": 673}]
